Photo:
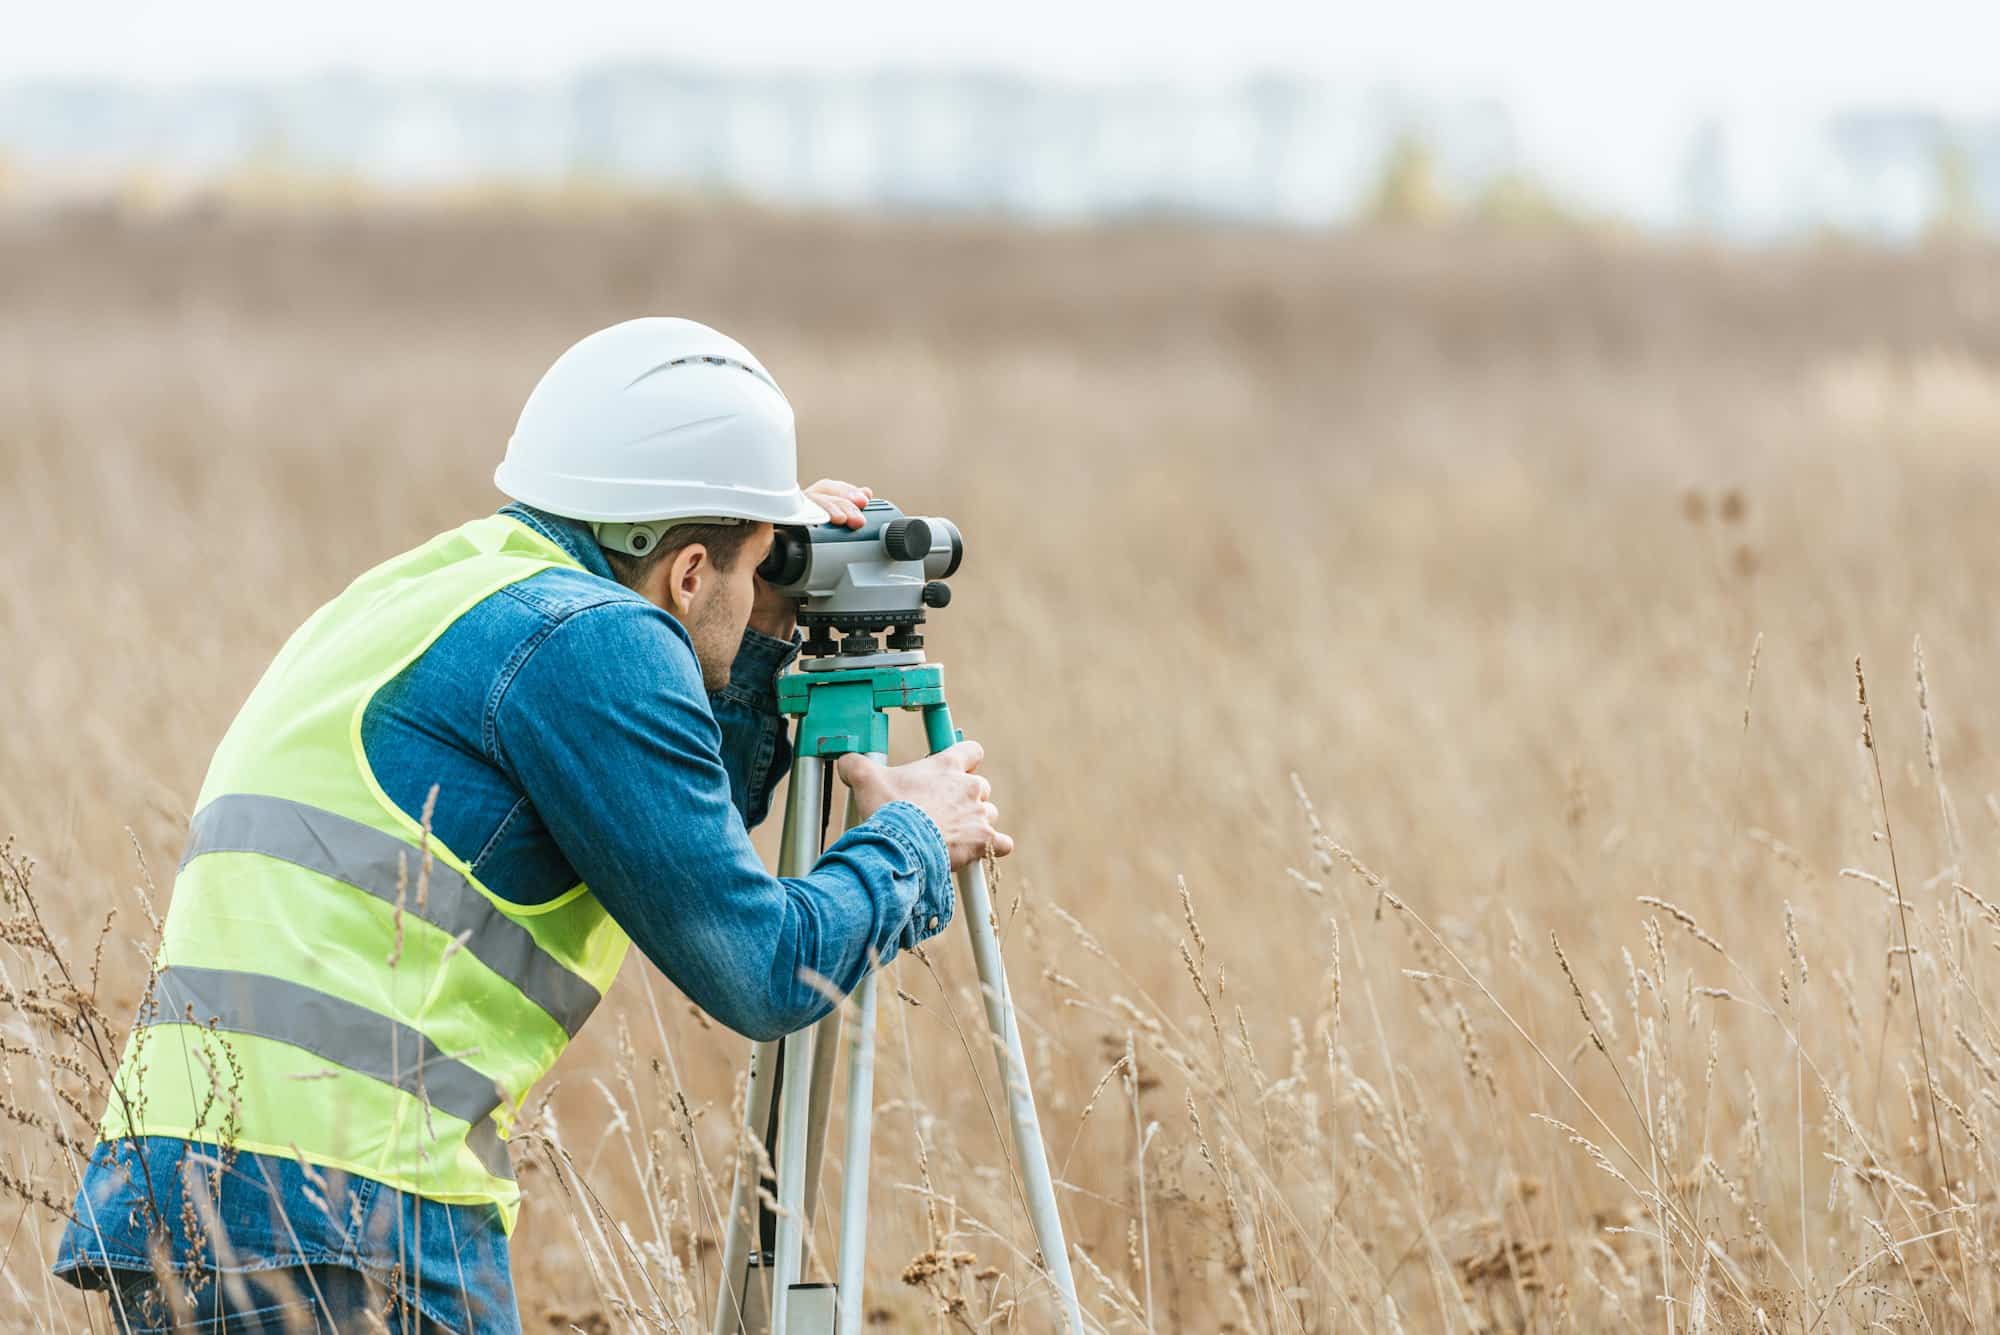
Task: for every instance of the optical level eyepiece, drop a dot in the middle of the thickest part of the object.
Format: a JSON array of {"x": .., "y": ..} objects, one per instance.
[{"x": 789, "y": 558}]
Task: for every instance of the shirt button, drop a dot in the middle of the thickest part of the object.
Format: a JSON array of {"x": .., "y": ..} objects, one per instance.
[{"x": 933, "y": 922}]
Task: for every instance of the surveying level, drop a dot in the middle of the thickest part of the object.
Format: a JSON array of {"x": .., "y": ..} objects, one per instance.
[
  {"x": 860, "y": 583},
  {"x": 865, "y": 581}
]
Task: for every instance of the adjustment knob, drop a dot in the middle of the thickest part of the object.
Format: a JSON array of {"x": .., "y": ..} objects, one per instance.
[
  {"x": 937, "y": 594},
  {"x": 906, "y": 539}
]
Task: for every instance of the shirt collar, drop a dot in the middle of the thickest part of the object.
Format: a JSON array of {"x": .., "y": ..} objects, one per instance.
[{"x": 569, "y": 534}]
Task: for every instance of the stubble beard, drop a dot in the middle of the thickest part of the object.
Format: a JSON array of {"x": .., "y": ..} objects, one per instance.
[{"x": 715, "y": 643}]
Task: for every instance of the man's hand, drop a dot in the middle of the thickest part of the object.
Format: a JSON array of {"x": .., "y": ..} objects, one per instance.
[
  {"x": 842, "y": 501},
  {"x": 774, "y": 614},
  {"x": 957, "y": 799}
]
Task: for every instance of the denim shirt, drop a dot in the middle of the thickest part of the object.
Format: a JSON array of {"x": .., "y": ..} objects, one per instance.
[{"x": 564, "y": 725}]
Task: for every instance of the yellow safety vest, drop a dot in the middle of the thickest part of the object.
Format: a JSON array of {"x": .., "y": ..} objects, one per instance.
[{"x": 321, "y": 992}]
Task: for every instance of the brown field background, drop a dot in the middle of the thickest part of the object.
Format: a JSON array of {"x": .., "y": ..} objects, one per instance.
[{"x": 1475, "y": 534}]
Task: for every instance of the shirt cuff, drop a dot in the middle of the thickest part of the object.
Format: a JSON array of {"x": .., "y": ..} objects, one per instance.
[
  {"x": 753, "y": 677},
  {"x": 917, "y": 835}
]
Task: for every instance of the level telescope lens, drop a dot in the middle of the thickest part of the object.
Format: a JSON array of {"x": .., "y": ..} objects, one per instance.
[{"x": 947, "y": 550}]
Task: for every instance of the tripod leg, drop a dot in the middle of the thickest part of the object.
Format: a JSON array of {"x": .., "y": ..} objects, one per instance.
[
  {"x": 798, "y": 851},
  {"x": 826, "y": 1055},
  {"x": 794, "y": 1100},
  {"x": 731, "y": 1305},
  {"x": 854, "y": 1158},
  {"x": 819, "y": 1104},
  {"x": 976, "y": 905},
  {"x": 855, "y": 1153}
]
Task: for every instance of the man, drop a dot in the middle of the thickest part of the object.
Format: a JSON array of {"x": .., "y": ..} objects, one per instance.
[{"x": 460, "y": 790}]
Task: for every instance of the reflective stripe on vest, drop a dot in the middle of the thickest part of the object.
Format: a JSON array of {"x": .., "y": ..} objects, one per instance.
[
  {"x": 386, "y": 867},
  {"x": 349, "y": 1036}
]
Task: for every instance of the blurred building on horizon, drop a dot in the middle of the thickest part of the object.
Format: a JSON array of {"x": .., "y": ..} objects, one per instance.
[{"x": 1268, "y": 149}]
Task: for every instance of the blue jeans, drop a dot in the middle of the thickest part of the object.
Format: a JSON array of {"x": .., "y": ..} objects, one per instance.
[
  {"x": 299, "y": 1300},
  {"x": 255, "y": 1232}
]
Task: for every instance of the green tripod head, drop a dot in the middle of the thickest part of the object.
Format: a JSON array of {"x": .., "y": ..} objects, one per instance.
[{"x": 868, "y": 581}]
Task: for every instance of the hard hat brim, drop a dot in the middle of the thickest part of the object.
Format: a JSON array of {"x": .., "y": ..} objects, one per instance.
[
  {"x": 581, "y": 498},
  {"x": 808, "y": 512}
]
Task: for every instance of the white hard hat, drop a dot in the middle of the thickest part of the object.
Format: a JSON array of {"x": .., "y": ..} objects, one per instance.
[{"x": 656, "y": 419}]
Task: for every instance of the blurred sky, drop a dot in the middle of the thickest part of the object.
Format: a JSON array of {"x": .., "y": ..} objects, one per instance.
[
  {"x": 1605, "y": 93},
  {"x": 1541, "y": 52}
]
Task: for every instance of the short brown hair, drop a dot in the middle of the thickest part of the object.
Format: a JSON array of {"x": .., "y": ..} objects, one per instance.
[{"x": 723, "y": 541}]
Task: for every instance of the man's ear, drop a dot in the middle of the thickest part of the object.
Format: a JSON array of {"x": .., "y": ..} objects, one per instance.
[{"x": 682, "y": 577}]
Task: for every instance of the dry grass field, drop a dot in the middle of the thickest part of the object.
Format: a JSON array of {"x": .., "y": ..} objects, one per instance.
[{"x": 1454, "y": 891}]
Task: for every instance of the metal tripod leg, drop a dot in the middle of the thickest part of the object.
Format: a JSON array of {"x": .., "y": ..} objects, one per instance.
[
  {"x": 977, "y": 907},
  {"x": 734, "y": 1310},
  {"x": 819, "y": 1104},
  {"x": 794, "y": 1103},
  {"x": 859, "y": 1124},
  {"x": 826, "y": 1056},
  {"x": 825, "y": 1040},
  {"x": 860, "y": 1128}
]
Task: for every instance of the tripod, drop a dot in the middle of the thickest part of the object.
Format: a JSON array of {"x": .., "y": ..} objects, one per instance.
[{"x": 842, "y": 704}]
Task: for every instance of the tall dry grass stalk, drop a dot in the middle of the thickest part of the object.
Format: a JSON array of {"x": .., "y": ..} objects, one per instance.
[{"x": 1422, "y": 921}]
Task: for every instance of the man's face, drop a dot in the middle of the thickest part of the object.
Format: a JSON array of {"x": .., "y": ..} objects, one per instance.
[{"x": 720, "y": 608}]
